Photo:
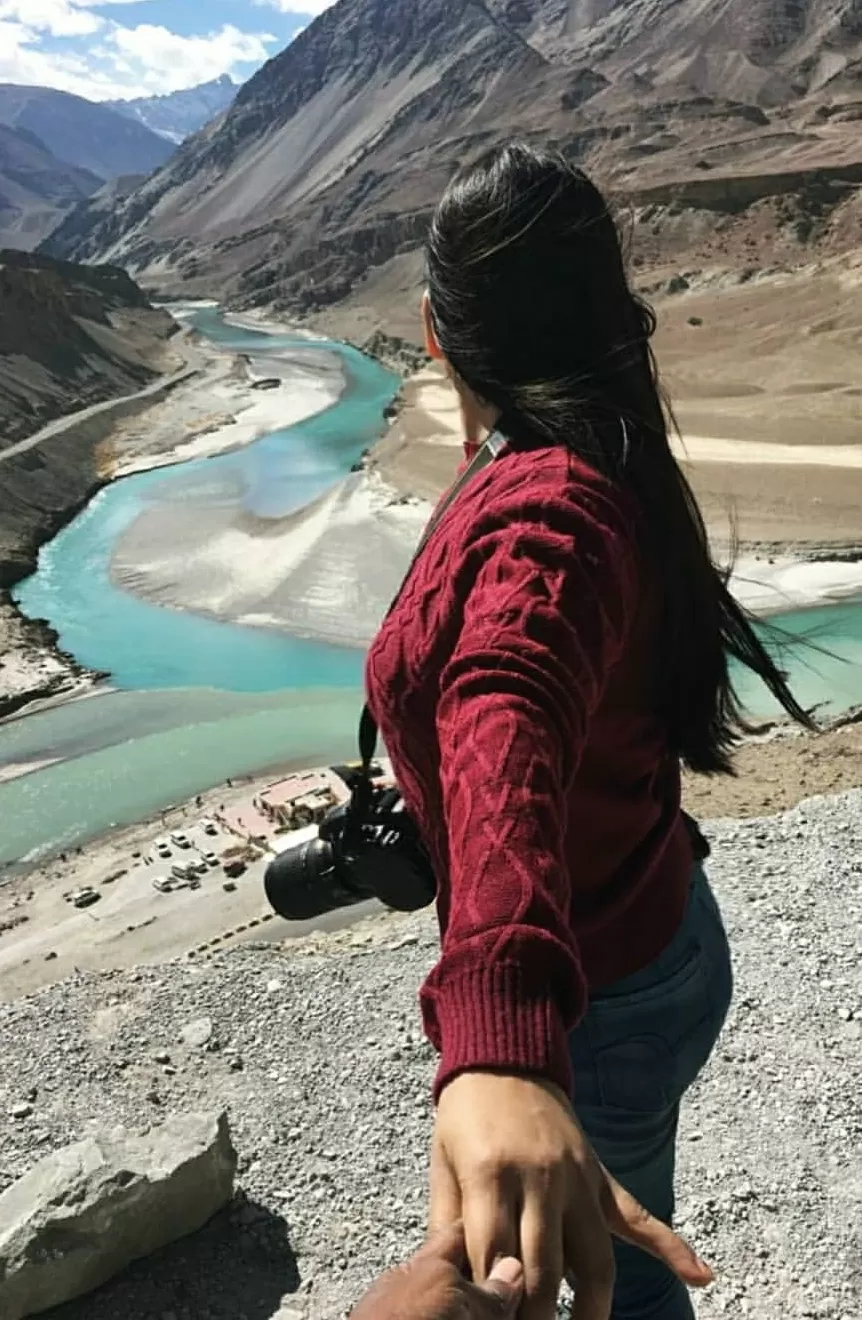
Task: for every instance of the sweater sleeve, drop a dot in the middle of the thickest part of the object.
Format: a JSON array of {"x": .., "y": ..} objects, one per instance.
[{"x": 545, "y": 617}]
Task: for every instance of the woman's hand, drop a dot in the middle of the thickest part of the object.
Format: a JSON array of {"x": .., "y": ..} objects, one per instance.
[
  {"x": 510, "y": 1160},
  {"x": 431, "y": 1286}
]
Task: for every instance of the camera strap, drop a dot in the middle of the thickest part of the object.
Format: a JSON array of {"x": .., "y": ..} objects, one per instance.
[{"x": 491, "y": 449}]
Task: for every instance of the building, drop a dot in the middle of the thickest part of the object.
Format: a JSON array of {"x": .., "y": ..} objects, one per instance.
[{"x": 300, "y": 800}]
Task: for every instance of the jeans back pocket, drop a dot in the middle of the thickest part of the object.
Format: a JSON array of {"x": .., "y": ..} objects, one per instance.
[{"x": 649, "y": 1045}]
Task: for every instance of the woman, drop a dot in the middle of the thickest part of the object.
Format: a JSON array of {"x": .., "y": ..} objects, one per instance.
[{"x": 560, "y": 646}]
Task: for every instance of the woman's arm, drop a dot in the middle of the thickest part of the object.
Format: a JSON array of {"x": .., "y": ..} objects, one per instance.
[
  {"x": 543, "y": 625},
  {"x": 547, "y": 612}
]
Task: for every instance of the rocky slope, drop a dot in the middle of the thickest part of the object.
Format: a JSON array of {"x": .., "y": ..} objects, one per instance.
[
  {"x": 36, "y": 189},
  {"x": 315, "y": 1050},
  {"x": 314, "y": 190},
  {"x": 177, "y": 115},
  {"x": 87, "y": 135},
  {"x": 70, "y": 336},
  {"x": 760, "y": 52},
  {"x": 98, "y": 213}
]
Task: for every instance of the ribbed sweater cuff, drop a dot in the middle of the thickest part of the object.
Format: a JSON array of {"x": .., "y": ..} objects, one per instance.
[{"x": 490, "y": 1018}]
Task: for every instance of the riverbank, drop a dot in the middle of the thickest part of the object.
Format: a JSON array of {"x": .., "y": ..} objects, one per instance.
[
  {"x": 329, "y": 571},
  {"x": 241, "y": 552},
  {"x": 217, "y": 401},
  {"x": 43, "y": 939}
]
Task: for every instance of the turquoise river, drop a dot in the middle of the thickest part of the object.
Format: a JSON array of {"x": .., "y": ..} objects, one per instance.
[{"x": 193, "y": 701}]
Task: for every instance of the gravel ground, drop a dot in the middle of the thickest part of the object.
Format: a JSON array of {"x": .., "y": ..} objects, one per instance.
[{"x": 316, "y": 1051}]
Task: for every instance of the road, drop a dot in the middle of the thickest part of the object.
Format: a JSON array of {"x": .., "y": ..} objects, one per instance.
[{"x": 62, "y": 424}]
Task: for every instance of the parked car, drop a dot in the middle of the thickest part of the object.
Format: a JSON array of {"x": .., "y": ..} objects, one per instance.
[
  {"x": 209, "y": 857},
  {"x": 162, "y": 847},
  {"x": 209, "y": 826},
  {"x": 164, "y": 884},
  {"x": 84, "y": 898},
  {"x": 181, "y": 840},
  {"x": 182, "y": 871}
]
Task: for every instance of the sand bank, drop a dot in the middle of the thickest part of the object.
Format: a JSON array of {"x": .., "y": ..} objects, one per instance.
[
  {"x": 786, "y": 583},
  {"x": 326, "y": 572},
  {"x": 228, "y": 407},
  {"x": 329, "y": 571}
]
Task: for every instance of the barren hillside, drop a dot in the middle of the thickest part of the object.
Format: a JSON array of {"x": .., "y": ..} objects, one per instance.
[
  {"x": 70, "y": 336},
  {"x": 731, "y": 125}
]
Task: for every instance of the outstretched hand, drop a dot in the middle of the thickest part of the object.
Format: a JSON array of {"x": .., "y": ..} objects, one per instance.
[
  {"x": 432, "y": 1286},
  {"x": 511, "y": 1162}
]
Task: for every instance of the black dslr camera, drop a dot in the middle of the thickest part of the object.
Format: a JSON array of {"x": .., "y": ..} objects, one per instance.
[{"x": 369, "y": 848}]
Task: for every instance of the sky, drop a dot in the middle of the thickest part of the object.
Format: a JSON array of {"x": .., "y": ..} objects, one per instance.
[{"x": 106, "y": 49}]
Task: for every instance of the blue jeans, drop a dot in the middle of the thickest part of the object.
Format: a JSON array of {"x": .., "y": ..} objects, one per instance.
[{"x": 635, "y": 1054}]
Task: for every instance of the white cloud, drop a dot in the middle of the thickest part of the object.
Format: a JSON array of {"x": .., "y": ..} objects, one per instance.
[
  {"x": 312, "y": 7},
  {"x": 58, "y": 18},
  {"x": 21, "y": 61},
  {"x": 124, "y": 61},
  {"x": 169, "y": 61}
]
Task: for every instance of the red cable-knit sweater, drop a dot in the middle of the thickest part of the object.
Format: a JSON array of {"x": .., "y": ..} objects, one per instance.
[{"x": 512, "y": 686}]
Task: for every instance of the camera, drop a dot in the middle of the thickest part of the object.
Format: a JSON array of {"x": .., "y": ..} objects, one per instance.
[{"x": 369, "y": 848}]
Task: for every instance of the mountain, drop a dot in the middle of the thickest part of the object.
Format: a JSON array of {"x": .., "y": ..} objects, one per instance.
[
  {"x": 761, "y": 51},
  {"x": 725, "y": 122},
  {"x": 36, "y": 189},
  {"x": 70, "y": 336},
  {"x": 93, "y": 215},
  {"x": 177, "y": 115},
  {"x": 84, "y": 134}
]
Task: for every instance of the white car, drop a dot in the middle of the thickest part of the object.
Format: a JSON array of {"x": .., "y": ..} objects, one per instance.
[
  {"x": 163, "y": 848},
  {"x": 164, "y": 884},
  {"x": 209, "y": 857},
  {"x": 209, "y": 826},
  {"x": 181, "y": 840}
]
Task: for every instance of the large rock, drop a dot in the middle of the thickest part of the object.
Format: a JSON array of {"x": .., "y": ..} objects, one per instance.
[{"x": 89, "y": 1210}]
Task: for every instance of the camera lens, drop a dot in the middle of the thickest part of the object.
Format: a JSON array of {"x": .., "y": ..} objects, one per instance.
[{"x": 304, "y": 882}]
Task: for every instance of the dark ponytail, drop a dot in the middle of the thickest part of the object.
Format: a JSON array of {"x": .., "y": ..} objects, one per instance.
[{"x": 533, "y": 310}]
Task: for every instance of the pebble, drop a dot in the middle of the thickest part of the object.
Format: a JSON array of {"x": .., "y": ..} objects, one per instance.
[{"x": 198, "y": 1033}]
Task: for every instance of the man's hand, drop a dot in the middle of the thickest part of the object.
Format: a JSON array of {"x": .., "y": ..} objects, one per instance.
[{"x": 431, "y": 1286}]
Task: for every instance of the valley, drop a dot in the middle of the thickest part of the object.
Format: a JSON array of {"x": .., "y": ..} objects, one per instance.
[{"x": 220, "y": 439}]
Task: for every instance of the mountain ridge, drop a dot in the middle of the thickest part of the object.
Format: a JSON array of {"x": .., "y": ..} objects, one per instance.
[
  {"x": 314, "y": 188},
  {"x": 36, "y": 189},
  {"x": 84, "y": 134},
  {"x": 176, "y": 115}
]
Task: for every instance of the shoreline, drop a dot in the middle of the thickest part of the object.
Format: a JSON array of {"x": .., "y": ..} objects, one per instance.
[
  {"x": 181, "y": 427},
  {"x": 381, "y": 510},
  {"x": 132, "y": 923},
  {"x": 41, "y": 933},
  {"x": 360, "y": 534}
]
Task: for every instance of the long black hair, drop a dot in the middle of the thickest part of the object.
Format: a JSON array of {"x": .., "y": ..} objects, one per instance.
[{"x": 533, "y": 311}]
